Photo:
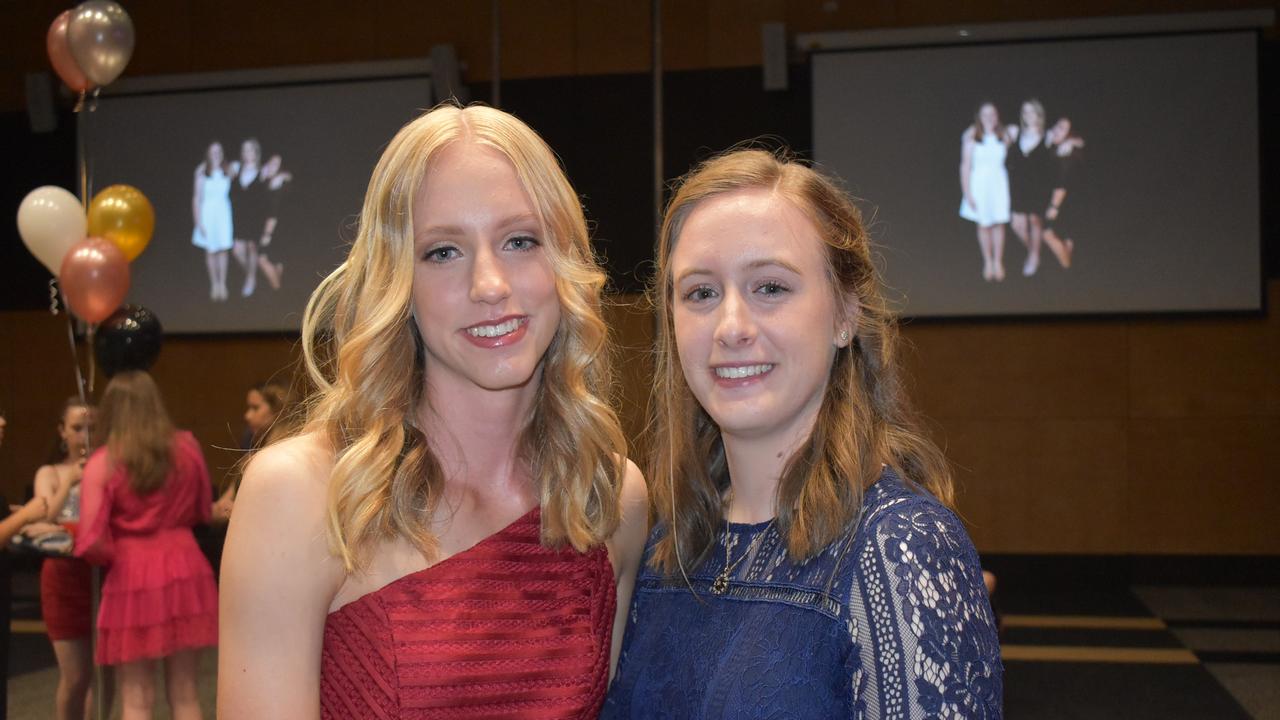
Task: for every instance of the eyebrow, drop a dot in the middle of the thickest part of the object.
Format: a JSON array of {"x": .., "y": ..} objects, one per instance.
[
  {"x": 456, "y": 230},
  {"x": 753, "y": 265}
]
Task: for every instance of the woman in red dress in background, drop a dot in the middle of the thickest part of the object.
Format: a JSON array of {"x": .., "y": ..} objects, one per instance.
[
  {"x": 143, "y": 491},
  {"x": 65, "y": 602},
  {"x": 456, "y": 530}
]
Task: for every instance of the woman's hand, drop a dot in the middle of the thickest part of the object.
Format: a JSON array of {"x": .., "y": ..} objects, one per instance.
[
  {"x": 36, "y": 509},
  {"x": 222, "y": 509}
]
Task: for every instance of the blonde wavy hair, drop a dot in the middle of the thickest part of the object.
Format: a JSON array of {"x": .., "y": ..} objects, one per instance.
[
  {"x": 364, "y": 355},
  {"x": 865, "y": 418}
]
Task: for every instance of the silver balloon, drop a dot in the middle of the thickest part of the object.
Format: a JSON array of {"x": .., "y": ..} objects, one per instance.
[{"x": 101, "y": 38}]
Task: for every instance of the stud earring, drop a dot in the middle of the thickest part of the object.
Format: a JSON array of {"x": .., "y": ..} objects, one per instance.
[{"x": 844, "y": 336}]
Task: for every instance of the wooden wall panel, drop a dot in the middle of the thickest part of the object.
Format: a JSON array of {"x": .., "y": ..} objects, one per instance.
[
  {"x": 1019, "y": 370},
  {"x": 36, "y": 376},
  {"x": 1205, "y": 367},
  {"x": 1201, "y": 484},
  {"x": 733, "y": 33},
  {"x": 538, "y": 40},
  {"x": 1041, "y": 485},
  {"x": 611, "y": 36}
]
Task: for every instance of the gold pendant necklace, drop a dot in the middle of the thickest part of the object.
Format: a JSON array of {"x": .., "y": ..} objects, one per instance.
[{"x": 720, "y": 585}]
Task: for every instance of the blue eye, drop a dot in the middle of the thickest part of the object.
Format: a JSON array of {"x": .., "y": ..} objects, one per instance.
[
  {"x": 523, "y": 243},
  {"x": 700, "y": 293},
  {"x": 441, "y": 254},
  {"x": 772, "y": 288}
]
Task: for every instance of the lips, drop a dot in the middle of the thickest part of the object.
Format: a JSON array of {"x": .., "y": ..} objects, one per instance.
[
  {"x": 497, "y": 333},
  {"x": 741, "y": 374}
]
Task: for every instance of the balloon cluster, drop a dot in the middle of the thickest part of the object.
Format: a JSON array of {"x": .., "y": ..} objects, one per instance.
[
  {"x": 89, "y": 246},
  {"x": 90, "y": 44},
  {"x": 92, "y": 271}
]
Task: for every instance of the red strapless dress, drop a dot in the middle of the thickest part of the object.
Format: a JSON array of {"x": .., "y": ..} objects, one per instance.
[{"x": 506, "y": 629}]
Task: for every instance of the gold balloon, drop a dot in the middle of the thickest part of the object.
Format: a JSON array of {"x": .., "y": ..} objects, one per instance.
[{"x": 123, "y": 215}]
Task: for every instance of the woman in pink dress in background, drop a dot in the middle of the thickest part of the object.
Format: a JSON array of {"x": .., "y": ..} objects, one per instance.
[{"x": 143, "y": 490}]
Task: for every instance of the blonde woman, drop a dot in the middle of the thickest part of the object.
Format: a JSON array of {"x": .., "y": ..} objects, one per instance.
[
  {"x": 1032, "y": 173},
  {"x": 806, "y": 564},
  {"x": 455, "y": 530}
]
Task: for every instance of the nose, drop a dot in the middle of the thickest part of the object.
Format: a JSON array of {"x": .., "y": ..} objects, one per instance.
[
  {"x": 735, "y": 325},
  {"x": 489, "y": 279}
]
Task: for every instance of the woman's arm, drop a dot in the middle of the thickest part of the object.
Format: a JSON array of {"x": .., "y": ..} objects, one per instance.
[
  {"x": 46, "y": 486},
  {"x": 1055, "y": 203},
  {"x": 966, "y": 165},
  {"x": 33, "y": 511},
  {"x": 934, "y": 612},
  {"x": 55, "y": 492},
  {"x": 626, "y": 548},
  {"x": 222, "y": 508},
  {"x": 278, "y": 580},
  {"x": 93, "y": 541},
  {"x": 196, "y": 196}
]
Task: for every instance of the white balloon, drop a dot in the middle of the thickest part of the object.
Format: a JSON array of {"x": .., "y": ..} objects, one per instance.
[{"x": 50, "y": 221}]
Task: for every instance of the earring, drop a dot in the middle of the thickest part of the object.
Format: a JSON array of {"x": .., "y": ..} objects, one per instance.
[{"x": 844, "y": 336}]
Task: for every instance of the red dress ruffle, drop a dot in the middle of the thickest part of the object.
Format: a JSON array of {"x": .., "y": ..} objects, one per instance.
[{"x": 160, "y": 596}]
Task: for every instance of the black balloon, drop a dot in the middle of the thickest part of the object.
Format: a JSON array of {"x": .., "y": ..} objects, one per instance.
[{"x": 128, "y": 340}]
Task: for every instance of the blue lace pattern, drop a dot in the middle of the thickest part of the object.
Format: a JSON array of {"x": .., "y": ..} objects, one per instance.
[{"x": 889, "y": 621}]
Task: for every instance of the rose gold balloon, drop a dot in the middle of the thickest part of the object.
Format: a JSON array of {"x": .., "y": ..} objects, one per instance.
[
  {"x": 55, "y": 42},
  {"x": 94, "y": 278}
]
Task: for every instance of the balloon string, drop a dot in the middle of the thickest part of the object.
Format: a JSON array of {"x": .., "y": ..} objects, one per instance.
[
  {"x": 75, "y": 357},
  {"x": 82, "y": 131},
  {"x": 93, "y": 365},
  {"x": 53, "y": 296}
]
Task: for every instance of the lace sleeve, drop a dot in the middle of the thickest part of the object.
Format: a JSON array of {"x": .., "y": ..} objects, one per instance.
[{"x": 926, "y": 637}]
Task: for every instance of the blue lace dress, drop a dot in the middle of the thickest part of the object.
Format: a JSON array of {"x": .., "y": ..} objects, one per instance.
[{"x": 889, "y": 621}]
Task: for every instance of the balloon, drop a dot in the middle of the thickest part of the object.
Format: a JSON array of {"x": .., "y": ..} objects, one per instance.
[
  {"x": 55, "y": 43},
  {"x": 128, "y": 340},
  {"x": 95, "y": 279},
  {"x": 101, "y": 38},
  {"x": 123, "y": 215},
  {"x": 50, "y": 221}
]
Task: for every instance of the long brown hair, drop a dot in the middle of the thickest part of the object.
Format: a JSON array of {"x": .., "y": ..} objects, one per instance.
[
  {"x": 980, "y": 132},
  {"x": 134, "y": 425},
  {"x": 865, "y": 419}
]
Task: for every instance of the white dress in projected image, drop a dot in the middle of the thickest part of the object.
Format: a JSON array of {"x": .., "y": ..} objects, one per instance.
[
  {"x": 988, "y": 184},
  {"x": 215, "y": 213}
]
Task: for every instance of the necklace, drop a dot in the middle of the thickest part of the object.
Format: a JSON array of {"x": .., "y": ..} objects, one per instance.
[{"x": 721, "y": 584}]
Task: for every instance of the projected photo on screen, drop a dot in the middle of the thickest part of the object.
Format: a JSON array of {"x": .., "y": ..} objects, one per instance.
[
  {"x": 256, "y": 191},
  {"x": 1069, "y": 177}
]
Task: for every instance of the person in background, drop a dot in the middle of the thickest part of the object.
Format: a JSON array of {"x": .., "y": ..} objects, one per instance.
[
  {"x": 17, "y": 516},
  {"x": 264, "y": 406},
  {"x": 145, "y": 487},
  {"x": 65, "y": 582},
  {"x": 806, "y": 563},
  {"x": 984, "y": 183},
  {"x": 1065, "y": 147},
  {"x": 1031, "y": 179},
  {"x": 211, "y": 208}
]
